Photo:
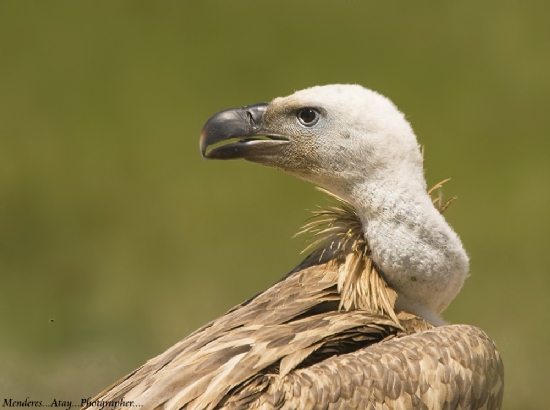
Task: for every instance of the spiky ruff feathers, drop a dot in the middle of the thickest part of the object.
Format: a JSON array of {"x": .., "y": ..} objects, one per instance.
[{"x": 338, "y": 231}]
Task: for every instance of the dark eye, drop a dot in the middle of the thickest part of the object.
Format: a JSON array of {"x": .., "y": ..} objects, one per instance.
[{"x": 308, "y": 117}]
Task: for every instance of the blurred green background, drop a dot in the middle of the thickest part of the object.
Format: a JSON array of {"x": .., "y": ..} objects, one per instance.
[{"x": 117, "y": 239}]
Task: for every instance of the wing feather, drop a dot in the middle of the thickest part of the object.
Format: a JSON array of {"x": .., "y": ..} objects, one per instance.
[
  {"x": 293, "y": 347},
  {"x": 432, "y": 376}
]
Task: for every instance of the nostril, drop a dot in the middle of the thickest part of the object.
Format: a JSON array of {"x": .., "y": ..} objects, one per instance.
[{"x": 251, "y": 119}]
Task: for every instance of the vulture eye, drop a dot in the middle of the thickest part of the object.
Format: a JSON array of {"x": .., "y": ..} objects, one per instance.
[{"x": 308, "y": 117}]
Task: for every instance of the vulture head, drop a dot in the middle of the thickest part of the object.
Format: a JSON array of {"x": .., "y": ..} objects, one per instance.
[
  {"x": 356, "y": 144},
  {"x": 336, "y": 136}
]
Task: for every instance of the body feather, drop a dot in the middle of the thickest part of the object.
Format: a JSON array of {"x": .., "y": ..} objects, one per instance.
[{"x": 325, "y": 336}]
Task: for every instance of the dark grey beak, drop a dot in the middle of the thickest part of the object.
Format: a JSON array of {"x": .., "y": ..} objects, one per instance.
[
  {"x": 237, "y": 123},
  {"x": 232, "y": 123}
]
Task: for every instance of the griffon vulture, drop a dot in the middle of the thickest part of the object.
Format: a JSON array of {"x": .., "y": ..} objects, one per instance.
[{"x": 357, "y": 325}]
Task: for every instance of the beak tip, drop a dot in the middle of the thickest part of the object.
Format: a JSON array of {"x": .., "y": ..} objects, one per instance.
[{"x": 203, "y": 143}]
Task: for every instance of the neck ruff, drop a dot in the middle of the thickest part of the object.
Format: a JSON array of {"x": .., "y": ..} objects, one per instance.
[{"x": 337, "y": 232}]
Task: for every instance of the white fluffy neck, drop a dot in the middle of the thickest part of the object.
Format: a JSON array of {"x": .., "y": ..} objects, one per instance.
[{"x": 418, "y": 253}]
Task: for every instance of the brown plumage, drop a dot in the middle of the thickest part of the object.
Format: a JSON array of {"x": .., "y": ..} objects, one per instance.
[{"x": 324, "y": 337}]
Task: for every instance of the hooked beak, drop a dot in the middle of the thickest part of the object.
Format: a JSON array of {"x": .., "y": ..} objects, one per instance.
[{"x": 242, "y": 124}]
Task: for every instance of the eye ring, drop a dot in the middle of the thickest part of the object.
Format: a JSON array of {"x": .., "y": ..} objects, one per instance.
[{"x": 308, "y": 117}]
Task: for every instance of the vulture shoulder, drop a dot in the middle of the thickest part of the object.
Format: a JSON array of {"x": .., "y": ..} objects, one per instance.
[{"x": 294, "y": 346}]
